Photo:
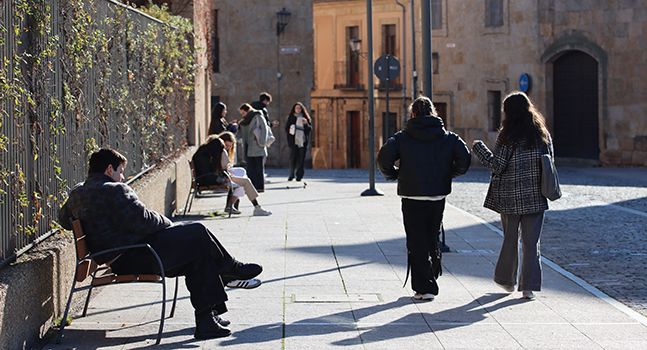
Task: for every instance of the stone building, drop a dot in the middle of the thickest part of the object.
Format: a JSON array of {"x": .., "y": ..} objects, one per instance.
[
  {"x": 252, "y": 52},
  {"x": 582, "y": 62}
]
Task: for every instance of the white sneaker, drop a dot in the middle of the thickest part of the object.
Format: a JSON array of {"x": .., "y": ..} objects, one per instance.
[
  {"x": 423, "y": 296},
  {"x": 528, "y": 294},
  {"x": 506, "y": 287},
  {"x": 258, "y": 211}
]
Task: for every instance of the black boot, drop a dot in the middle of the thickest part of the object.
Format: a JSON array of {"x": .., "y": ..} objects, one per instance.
[{"x": 206, "y": 326}]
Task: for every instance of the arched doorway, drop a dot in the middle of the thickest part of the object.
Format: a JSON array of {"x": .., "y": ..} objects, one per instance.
[{"x": 575, "y": 106}]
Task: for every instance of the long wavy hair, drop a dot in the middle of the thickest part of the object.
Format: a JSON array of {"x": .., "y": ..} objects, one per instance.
[
  {"x": 229, "y": 136},
  {"x": 304, "y": 111},
  {"x": 522, "y": 122},
  {"x": 217, "y": 113}
]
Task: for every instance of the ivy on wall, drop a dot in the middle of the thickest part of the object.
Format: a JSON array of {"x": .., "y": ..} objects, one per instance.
[{"x": 91, "y": 73}]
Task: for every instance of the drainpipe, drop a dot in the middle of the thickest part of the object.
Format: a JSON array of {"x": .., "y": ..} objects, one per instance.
[
  {"x": 414, "y": 74},
  {"x": 403, "y": 118}
]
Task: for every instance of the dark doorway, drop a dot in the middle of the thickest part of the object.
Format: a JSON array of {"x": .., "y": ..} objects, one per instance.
[
  {"x": 575, "y": 89},
  {"x": 441, "y": 110},
  {"x": 354, "y": 140}
]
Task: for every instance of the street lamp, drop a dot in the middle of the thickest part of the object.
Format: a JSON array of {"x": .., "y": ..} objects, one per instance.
[
  {"x": 355, "y": 45},
  {"x": 282, "y": 19}
]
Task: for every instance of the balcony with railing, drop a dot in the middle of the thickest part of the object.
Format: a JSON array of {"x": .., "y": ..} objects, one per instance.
[{"x": 347, "y": 76}]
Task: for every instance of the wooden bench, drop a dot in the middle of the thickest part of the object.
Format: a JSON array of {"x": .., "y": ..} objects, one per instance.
[{"x": 101, "y": 275}]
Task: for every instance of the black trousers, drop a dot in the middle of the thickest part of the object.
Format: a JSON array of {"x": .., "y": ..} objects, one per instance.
[
  {"x": 422, "y": 220},
  {"x": 256, "y": 172},
  {"x": 297, "y": 158},
  {"x": 189, "y": 250}
]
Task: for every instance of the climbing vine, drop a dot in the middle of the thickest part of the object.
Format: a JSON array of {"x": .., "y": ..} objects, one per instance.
[{"x": 83, "y": 74}]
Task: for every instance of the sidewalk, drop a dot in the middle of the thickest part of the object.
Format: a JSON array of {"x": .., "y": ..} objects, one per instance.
[{"x": 334, "y": 267}]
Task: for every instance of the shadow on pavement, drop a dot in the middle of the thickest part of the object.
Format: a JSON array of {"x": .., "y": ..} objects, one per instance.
[{"x": 339, "y": 323}]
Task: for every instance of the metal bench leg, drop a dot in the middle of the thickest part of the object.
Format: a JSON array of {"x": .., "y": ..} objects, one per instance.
[
  {"x": 159, "y": 333},
  {"x": 87, "y": 300},
  {"x": 189, "y": 200},
  {"x": 67, "y": 310}
]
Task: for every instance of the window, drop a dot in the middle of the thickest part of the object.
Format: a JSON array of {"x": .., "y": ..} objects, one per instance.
[
  {"x": 436, "y": 14},
  {"x": 493, "y": 13},
  {"x": 215, "y": 64},
  {"x": 494, "y": 110},
  {"x": 388, "y": 39},
  {"x": 434, "y": 62},
  {"x": 352, "y": 59}
]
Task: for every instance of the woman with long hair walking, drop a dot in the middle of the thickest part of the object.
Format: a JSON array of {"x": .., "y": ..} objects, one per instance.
[
  {"x": 298, "y": 128},
  {"x": 515, "y": 191}
]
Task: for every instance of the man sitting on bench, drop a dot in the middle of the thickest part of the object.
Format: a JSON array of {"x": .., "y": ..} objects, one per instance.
[{"x": 113, "y": 216}]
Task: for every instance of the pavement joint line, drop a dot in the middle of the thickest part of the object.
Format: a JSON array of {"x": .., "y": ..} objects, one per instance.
[{"x": 577, "y": 280}]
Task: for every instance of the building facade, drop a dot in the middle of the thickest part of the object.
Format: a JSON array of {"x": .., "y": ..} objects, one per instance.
[
  {"x": 262, "y": 45},
  {"x": 583, "y": 64}
]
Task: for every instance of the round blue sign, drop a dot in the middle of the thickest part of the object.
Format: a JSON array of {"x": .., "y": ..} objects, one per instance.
[{"x": 524, "y": 82}]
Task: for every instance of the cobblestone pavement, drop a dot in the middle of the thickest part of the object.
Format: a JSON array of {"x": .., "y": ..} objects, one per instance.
[{"x": 597, "y": 230}]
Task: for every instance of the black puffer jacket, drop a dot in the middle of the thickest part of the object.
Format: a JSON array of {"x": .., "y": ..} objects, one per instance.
[{"x": 429, "y": 155}]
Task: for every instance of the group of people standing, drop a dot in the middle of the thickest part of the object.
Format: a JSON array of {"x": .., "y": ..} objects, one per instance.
[
  {"x": 215, "y": 159},
  {"x": 425, "y": 157}
]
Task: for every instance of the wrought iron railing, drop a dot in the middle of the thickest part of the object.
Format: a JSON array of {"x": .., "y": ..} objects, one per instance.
[{"x": 54, "y": 112}]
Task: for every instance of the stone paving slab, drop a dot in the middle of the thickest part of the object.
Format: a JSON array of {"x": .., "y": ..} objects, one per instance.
[{"x": 334, "y": 267}]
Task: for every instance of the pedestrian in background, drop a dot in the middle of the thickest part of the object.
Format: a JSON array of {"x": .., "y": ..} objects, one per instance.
[
  {"x": 515, "y": 190},
  {"x": 298, "y": 127},
  {"x": 264, "y": 100},
  {"x": 254, "y": 148},
  {"x": 430, "y": 157},
  {"x": 218, "y": 122}
]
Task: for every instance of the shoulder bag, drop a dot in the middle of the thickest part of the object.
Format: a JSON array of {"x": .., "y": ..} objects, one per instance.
[{"x": 549, "y": 179}]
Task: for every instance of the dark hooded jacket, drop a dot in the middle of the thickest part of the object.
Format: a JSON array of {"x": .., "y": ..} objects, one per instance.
[{"x": 429, "y": 156}]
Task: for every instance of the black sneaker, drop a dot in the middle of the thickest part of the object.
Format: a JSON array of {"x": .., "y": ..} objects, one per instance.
[
  {"x": 206, "y": 327},
  {"x": 242, "y": 271}
]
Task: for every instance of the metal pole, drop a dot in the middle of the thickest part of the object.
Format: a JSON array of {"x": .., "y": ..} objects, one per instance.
[
  {"x": 403, "y": 117},
  {"x": 388, "y": 82},
  {"x": 371, "y": 191},
  {"x": 426, "y": 48},
  {"x": 414, "y": 73}
]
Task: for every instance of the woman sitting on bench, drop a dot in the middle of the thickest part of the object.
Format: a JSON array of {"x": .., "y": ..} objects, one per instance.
[{"x": 213, "y": 162}]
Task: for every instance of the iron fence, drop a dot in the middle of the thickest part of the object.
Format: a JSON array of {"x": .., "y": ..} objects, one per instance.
[{"x": 64, "y": 112}]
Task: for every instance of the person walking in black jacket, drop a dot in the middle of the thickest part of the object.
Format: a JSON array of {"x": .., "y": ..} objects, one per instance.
[
  {"x": 298, "y": 127},
  {"x": 430, "y": 157}
]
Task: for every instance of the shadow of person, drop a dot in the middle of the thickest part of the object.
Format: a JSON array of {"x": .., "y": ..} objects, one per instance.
[
  {"x": 409, "y": 325},
  {"x": 347, "y": 322}
]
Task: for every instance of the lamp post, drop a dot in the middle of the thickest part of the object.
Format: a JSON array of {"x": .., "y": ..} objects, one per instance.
[
  {"x": 282, "y": 19},
  {"x": 371, "y": 191}
]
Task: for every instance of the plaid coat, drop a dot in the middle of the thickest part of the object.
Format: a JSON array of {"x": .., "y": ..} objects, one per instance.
[
  {"x": 515, "y": 184},
  {"x": 111, "y": 213}
]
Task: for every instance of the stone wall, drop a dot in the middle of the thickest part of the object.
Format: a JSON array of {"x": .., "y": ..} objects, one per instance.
[{"x": 619, "y": 30}]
